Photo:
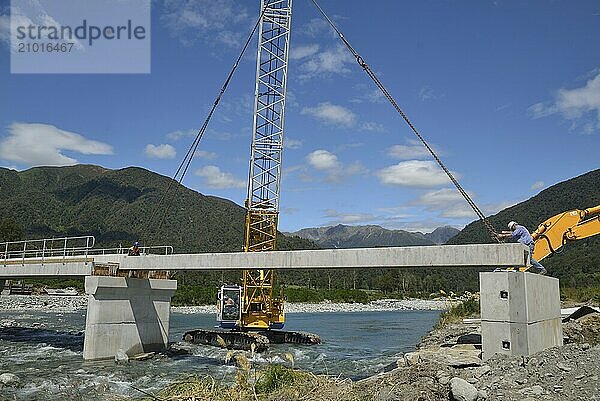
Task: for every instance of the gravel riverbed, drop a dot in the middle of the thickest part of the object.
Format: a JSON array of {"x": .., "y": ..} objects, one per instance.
[
  {"x": 73, "y": 303},
  {"x": 446, "y": 365}
]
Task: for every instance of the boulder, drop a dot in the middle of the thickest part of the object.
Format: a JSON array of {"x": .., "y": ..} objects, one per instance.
[
  {"x": 412, "y": 358},
  {"x": 461, "y": 390},
  {"x": 9, "y": 380},
  {"x": 121, "y": 357}
]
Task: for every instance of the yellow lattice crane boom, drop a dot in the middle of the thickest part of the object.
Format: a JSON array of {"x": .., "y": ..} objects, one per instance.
[{"x": 251, "y": 314}]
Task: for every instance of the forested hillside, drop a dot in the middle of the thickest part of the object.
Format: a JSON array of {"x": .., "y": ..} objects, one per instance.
[
  {"x": 122, "y": 206},
  {"x": 579, "y": 263}
]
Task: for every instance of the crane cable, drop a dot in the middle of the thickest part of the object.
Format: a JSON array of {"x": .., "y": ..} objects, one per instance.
[
  {"x": 185, "y": 163},
  {"x": 389, "y": 97}
]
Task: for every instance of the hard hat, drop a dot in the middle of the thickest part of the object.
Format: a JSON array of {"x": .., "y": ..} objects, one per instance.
[
  {"x": 511, "y": 225},
  {"x": 136, "y": 243}
]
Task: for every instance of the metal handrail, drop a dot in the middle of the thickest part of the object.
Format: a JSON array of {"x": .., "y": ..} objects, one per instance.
[
  {"x": 63, "y": 248},
  {"x": 144, "y": 250},
  {"x": 46, "y": 248}
]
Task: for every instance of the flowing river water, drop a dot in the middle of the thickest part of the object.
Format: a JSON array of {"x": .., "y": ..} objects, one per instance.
[{"x": 47, "y": 355}]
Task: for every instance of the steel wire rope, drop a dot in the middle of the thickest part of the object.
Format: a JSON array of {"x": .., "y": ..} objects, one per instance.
[
  {"x": 185, "y": 163},
  {"x": 390, "y": 98}
]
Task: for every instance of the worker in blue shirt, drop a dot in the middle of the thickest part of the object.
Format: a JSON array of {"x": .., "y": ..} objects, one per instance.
[{"x": 521, "y": 234}]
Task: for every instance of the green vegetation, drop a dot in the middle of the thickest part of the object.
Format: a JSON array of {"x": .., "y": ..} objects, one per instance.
[
  {"x": 275, "y": 377},
  {"x": 251, "y": 383},
  {"x": 194, "y": 295},
  {"x": 121, "y": 206},
  {"x": 582, "y": 295},
  {"x": 10, "y": 231},
  {"x": 578, "y": 265},
  {"x": 468, "y": 308}
]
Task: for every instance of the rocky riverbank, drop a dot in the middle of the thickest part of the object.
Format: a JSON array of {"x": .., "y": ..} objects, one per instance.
[
  {"x": 46, "y": 303},
  {"x": 74, "y": 303},
  {"x": 447, "y": 365}
]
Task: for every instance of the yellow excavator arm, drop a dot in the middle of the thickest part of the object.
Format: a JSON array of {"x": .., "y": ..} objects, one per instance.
[{"x": 565, "y": 227}]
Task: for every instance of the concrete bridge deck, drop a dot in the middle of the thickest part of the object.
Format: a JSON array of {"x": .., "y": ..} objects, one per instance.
[{"x": 477, "y": 255}]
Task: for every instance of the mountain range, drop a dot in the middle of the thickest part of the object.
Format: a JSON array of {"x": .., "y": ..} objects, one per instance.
[
  {"x": 344, "y": 236},
  {"x": 125, "y": 205}
]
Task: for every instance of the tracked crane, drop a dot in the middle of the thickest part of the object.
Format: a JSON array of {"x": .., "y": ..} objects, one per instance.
[{"x": 252, "y": 313}]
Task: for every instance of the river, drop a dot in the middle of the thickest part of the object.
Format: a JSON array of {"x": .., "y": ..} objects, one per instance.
[{"x": 47, "y": 356}]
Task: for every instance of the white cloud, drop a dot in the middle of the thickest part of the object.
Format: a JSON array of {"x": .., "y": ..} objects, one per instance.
[
  {"x": 230, "y": 38},
  {"x": 335, "y": 217},
  {"x": 214, "y": 22},
  {"x": 407, "y": 152},
  {"x": 326, "y": 63},
  {"x": 412, "y": 149},
  {"x": 177, "y": 135},
  {"x": 205, "y": 154},
  {"x": 331, "y": 114},
  {"x": 373, "y": 96},
  {"x": 215, "y": 178},
  {"x": 450, "y": 204},
  {"x": 290, "y": 143},
  {"x": 288, "y": 210},
  {"x": 414, "y": 173},
  {"x": 316, "y": 27},
  {"x": 44, "y": 145},
  {"x": 448, "y": 201},
  {"x": 328, "y": 163},
  {"x": 385, "y": 220},
  {"x": 27, "y": 13},
  {"x": 162, "y": 151},
  {"x": 579, "y": 105},
  {"x": 5, "y": 25},
  {"x": 323, "y": 160},
  {"x": 372, "y": 126},
  {"x": 537, "y": 185},
  {"x": 427, "y": 93},
  {"x": 303, "y": 51}
]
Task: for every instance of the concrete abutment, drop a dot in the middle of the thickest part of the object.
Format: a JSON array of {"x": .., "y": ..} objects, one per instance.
[
  {"x": 126, "y": 313},
  {"x": 520, "y": 313}
]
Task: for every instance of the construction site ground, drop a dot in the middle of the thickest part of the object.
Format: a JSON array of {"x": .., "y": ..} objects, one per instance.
[{"x": 571, "y": 372}]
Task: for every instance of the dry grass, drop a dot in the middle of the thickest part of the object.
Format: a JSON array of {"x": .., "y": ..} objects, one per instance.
[{"x": 270, "y": 383}]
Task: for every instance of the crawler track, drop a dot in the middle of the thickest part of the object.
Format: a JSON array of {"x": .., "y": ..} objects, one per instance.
[{"x": 243, "y": 340}]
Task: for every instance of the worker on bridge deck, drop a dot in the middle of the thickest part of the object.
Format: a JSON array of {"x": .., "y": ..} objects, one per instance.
[
  {"x": 134, "y": 250},
  {"x": 521, "y": 234}
]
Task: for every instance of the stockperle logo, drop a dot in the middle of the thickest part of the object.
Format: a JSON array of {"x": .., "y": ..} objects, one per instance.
[{"x": 80, "y": 36}]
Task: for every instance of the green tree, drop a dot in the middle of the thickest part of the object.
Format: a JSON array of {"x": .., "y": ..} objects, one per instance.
[{"x": 10, "y": 231}]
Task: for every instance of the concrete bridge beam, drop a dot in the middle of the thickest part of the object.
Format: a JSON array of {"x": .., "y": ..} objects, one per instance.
[{"x": 476, "y": 255}]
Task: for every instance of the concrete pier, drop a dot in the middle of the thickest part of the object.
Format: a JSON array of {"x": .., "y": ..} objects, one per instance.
[
  {"x": 128, "y": 314},
  {"x": 520, "y": 313}
]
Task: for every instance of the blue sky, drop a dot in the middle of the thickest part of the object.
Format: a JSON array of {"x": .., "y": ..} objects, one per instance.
[{"x": 508, "y": 92}]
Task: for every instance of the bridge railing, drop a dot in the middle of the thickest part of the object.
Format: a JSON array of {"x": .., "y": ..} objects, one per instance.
[
  {"x": 144, "y": 250},
  {"x": 66, "y": 248},
  {"x": 42, "y": 249}
]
